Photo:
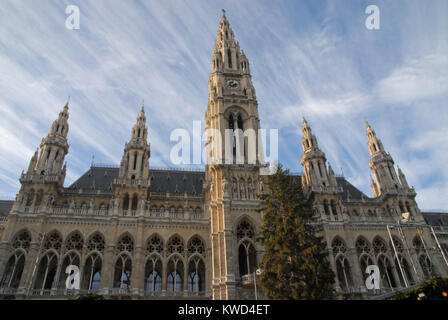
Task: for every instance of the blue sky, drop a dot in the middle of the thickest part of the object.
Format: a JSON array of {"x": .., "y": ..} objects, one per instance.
[{"x": 308, "y": 58}]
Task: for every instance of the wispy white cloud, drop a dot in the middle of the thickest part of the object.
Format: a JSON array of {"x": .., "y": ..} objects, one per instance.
[{"x": 316, "y": 60}]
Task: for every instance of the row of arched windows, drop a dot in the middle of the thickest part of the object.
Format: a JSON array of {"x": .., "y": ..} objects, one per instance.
[
  {"x": 383, "y": 255},
  {"x": 180, "y": 262}
]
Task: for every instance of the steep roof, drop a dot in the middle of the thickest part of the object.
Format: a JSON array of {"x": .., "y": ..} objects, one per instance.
[
  {"x": 177, "y": 181},
  {"x": 436, "y": 218},
  {"x": 5, "y": 207},
  {"x": 173, "y": 181}
]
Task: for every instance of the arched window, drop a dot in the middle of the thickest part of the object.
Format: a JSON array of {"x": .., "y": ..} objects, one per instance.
[
  {"x": 70, "y": 259},
  {"x": 84, "y": 208},
  {"x": 123, "y": 272},
  {"x": 74, "y": 242},
  {"x": 386, "y": 274},
  {"x": 362, "y": 246},
  {"x": 406, "y": 269},
  {"x": 134, "y": 202},
  {"x": 196, "y": 246},
  {"x": 379, "y": 246},
  {"x": 364, "y": 261},
  {"x": 92, "y": 273},
  {"x": 229, "y": 55},
  {"x": 398, "y": 245},
  {"x": 344, "y": 273},
  {"x": 175, "y": 272},
  {"x": 126, "y": 202},
  {"x": 247, "y": 258},
  {"x": 96, "y": 243},
  {"x": 13, "y": 270},
  {"x": 180, "y": 212},
  {"x": 176, "y": 245},
  {"x": 231, "y": 122},
  {"x": 46, "y": 272},
  {"x": 125, "y": 244},
  {"x": 426, "y": 265},
  {"x": 240, "y": 122},
  {"x": 154, "y": 245},
  {"x": 53, "y": 241},
  {"x": 418, "y": 245},
  {"x": 153, "y": 275},
  {"x": 245, "y": 230},
  {"x": 172, "y": 212},
  {"x": 22, "y": 240},
  {"x": 135, "y": 160},
  {"x": 196, "y": 275},
  {"x": 338, "y": 246},
  {"x": 162, "y": 211}
]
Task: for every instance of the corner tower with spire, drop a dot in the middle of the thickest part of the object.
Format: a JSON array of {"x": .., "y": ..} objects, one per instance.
[{"x": 132, "y": 184}]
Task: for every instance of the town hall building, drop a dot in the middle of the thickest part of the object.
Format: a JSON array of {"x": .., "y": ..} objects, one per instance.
[{"x": 156, "y": 233}]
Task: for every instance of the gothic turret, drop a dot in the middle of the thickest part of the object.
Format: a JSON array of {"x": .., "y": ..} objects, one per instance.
[
  {"x": 53, "y": 148},
  {"x": 314, "y": 161},
  {"x": 135, "y": 162},
  {"x": 382, "y": 165}
]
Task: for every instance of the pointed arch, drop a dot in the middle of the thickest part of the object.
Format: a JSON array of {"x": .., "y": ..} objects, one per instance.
[
  {"x": 71, "y": 258},
  {"x": 123, "y": 271},
  {"x": 96, "y": 242},
  {"x": 74, "y": 241},
  {"x": 125, "y": 243},
  {"x": 196, "y": 245},
  {"x": 154, "y": 244},
  {"x": 22, "y": 239},
  {"x": 196, "y": 274},
  {"x": 46, "y": 273},
  {"x": 92, "y": 272},
  {"x": 175, "y": 244},
  {"x": 175, "y": 274},
  {"x": 13, "y": 270},
  {"x": 153, "y": 274}
]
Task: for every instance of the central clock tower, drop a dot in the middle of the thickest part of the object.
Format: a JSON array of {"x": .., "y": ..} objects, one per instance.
[{"x": 234, "y": 160}]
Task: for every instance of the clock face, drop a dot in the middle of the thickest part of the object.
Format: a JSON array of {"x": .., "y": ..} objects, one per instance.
[{"x": 232, "y": 84}]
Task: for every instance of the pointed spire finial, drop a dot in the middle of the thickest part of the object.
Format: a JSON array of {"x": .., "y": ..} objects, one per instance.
[
  {"x": 223, "y": 12},
  {"x": 66, "y": 104}
]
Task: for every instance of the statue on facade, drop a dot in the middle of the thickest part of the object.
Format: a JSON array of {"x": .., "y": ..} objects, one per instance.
[{"x": 260, "y": 185}]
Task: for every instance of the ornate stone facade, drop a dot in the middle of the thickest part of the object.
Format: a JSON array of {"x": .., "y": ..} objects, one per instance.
[{"x": 133, "y": 230}]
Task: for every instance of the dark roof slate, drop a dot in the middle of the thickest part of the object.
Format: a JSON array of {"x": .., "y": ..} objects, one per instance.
[
  {"x": 177, "y": 181},
  {"x": 5, "y": 207}
]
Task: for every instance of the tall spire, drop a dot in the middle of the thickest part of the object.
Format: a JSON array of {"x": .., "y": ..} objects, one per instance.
[
  {"x": 314, "y": 161},
  {"x": 53, "y": 148},
  {"x": 134, "y": 164},
  {"x": 381, "y": 164}
]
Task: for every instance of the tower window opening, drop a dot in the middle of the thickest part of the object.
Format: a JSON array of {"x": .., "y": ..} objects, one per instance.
[
  {"x": 240, "y": 122},
  {"x": 62, "y": 130},
  {"x": 227, "y": 35},
  {"x": 229, "y": 53},
  {"x": 57, "y": 128},
  {"x": 138, "y": 134},
  {"x": 231, "y": 122},
  {"x": 320, "y": 169},
  {"x": 135, "y": 160}
]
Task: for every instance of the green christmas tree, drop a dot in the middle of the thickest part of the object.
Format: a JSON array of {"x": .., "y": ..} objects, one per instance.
[{"x": 295, "y": 264}]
